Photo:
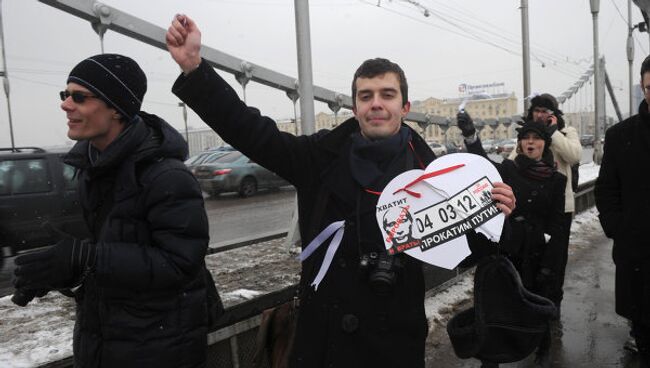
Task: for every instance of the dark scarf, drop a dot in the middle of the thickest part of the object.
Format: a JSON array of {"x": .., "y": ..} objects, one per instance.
[
  {"x": 536, "y": 170},
  {"x": 369, "y": 160}
]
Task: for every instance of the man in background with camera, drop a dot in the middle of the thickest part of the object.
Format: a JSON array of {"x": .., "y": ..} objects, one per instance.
[
  {"x": 351, "y": 314},
  {"x": 141, "y": 284},
  {"x": 567, "y": 151}
]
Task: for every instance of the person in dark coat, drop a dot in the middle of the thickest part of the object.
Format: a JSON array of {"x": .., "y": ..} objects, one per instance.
[
  {"x": 622, "y": 201},
  {"x": 535, "y": 242},
  {"x": 343, "y": 321},
  {"x": 141, "y": 277},
  {"x": 567, "y": 151}
]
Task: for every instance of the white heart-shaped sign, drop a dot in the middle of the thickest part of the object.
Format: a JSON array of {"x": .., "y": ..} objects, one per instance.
[{"x": 425, "y": 213}]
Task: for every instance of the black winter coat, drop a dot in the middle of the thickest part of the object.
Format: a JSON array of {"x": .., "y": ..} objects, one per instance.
[
  {"x": 539, "y": 210},
  {"x": 145, "y": 303},
  {"x": 343, "y": 323},
  {"x": 623, "y": 202}
]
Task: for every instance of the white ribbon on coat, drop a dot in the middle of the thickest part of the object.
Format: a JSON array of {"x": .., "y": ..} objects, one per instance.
[{"x": 337, "y": 228}]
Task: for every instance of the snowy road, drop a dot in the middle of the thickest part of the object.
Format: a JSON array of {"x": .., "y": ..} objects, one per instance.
[{"x": 230, "y": 217}]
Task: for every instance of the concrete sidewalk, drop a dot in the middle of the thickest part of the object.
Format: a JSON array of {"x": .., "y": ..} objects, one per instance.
[{"x": 592, "y": 335}]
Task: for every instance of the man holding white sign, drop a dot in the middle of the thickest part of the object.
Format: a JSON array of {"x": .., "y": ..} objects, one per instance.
[{"x": 359, "y": 306}]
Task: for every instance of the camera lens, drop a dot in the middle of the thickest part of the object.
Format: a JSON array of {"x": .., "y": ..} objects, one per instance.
[{"x": 382, "y": 282}]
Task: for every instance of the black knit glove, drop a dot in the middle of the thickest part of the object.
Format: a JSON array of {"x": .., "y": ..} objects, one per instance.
[
  {"x": 23, "y": 296},
  {"x": 480, "y": 247},
  {"x": 59, "y": 266},
  {"x": 465, "y": 124}
]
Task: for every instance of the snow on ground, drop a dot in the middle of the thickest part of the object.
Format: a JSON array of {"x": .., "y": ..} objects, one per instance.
[
  {"x": 241, "y": 294},
  {"x": 42, "y": 331},
  {"x": 39, "y": 333},
  {"x": 441, "y": 306},
  {"x": 588, "y": 172}
]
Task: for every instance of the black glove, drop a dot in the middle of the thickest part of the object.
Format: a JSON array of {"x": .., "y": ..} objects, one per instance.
[
  {"x": 57, "y": 267},
  {"x": 23, "y": 296},
  {"x": 465, "y": 124},
  {"x": 480, "y": 247}
]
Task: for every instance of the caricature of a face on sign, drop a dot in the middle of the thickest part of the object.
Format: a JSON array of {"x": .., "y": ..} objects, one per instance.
[{"x": 425, "y": 213}]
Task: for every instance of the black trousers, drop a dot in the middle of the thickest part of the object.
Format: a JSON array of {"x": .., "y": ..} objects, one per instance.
[
  {"x": 558, "y": 293},
  {"x": 641, "y": 334}
]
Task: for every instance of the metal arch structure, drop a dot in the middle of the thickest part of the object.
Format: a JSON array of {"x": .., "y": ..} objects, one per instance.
[
  {"x": 571, "y": 91},
  {"x": 103, "y": 17}
]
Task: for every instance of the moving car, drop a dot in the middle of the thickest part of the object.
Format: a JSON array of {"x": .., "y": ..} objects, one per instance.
[
  {"x": 206, "y": 155},
  {"x": 203, "y": 158},
  {"x": 36, "y": 187},
  {"x": 234, "y": 172}
]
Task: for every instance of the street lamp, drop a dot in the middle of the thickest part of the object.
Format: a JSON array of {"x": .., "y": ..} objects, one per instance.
[
  {"x": 5, "y": 80},
  {"x": 187, "y": 136},
  {"x": 630, "y": 52},
  {"x": 595, "y": 8},
  {"x": 525, "y": 51}
]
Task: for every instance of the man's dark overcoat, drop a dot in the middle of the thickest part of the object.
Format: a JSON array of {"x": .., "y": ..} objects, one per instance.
[
  {"x": 623, "y": 202},
  {"x": 344, "y": 323}
]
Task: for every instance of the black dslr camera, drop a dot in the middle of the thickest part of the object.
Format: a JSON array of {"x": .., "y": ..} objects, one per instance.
[{"x": 382, "y": 270}]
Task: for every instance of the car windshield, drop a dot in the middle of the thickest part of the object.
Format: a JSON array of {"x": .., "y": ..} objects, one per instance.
[
  {"x": 213, "y": 157},
  {"x": 197, "y": 159},
  {"x": 190, "y": 160},
  {"x": 228, "y": 157}
]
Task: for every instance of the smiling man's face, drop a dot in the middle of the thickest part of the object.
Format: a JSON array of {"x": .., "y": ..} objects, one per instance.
[{"x": 378, "y": 106}]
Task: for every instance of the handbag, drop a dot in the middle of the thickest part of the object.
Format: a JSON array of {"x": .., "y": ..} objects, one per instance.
[{"x": 275, "y": 335}]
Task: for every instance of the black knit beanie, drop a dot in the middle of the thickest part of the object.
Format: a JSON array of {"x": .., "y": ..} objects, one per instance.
[
  {"x": 544, "y": 100},
  {"x": 116, "y": 79}
]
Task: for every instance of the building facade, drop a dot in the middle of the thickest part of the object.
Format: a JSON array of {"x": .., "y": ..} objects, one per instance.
[{"x": 485, "y": 109}]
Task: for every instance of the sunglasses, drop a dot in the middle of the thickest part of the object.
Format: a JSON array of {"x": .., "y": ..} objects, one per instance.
[{"x": 77, "y": 96}]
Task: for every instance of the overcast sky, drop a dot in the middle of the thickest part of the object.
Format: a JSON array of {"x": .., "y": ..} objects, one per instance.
[{"x": 462, "y": 41}]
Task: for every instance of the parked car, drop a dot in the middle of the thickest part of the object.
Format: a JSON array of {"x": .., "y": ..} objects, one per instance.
[
  {"x": 506, "y": 146},
  {"x": 438, "y": 149},
  {"x": 497, "y": 146},
  {"x": 452, "y": 148},
  {"x": 488, "y": 145},
  {"x": 234, "y": 172},
  {"x": 36, "y": 187},
  {"x": 587, "y": 140}
]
